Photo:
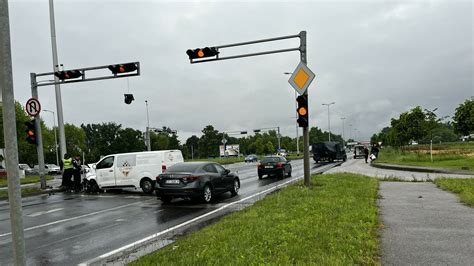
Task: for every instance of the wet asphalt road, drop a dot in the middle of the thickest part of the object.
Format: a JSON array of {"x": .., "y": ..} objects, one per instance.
[{"x": 67, "y": 229}]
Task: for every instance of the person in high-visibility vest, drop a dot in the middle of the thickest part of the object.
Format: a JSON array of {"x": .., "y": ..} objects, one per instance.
[{"x": 67, "y": 167}]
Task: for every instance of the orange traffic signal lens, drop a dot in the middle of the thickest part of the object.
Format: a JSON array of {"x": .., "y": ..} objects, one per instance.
[
  {"x": 302, "y": 111},
  {"x": 200, "y": 53},
  {"x": 121, "y": 69},
  {"x": 30, "y": 133}
]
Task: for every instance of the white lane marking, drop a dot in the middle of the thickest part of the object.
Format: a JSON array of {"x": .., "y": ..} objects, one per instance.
[
  {"x": 77, "y": 217},
  {"x": 103, "y": 256},
  {"x": 44, "y": 212}
]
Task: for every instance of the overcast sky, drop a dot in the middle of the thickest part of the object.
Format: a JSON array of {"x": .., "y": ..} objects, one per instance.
[{"x": 374, "y": 59}]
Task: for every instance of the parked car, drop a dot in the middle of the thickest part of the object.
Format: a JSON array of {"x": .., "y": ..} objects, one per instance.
[
  {"x": 197, "y": 180},
  {"x": 251, "y": 158},
  {"x": 50, "y": 169},
  {"x": 135, "y": 170},
  {"x": 274, "y": 166},
  {"x": 328, "y": 151},
  {"x": 28, "y": 170}
]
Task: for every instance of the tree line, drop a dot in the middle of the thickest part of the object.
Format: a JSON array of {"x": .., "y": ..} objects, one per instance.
[
  {"x": 423, "y": 125},
  {"x": 97, "y": 140}
]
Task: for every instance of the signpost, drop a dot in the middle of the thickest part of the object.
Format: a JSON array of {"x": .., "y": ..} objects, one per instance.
[
  {"x": 33, "y": 107},
  {"x": 301, "y": 78}
]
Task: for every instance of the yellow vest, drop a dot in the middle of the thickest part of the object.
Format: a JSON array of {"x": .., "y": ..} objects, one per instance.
[{"x": 67, "y": 164}]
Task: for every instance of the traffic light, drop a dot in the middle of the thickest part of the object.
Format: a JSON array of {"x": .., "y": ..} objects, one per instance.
[
  {"x": 123, "y": 68},
  {"x": 302, "y": 110},
  {"x": 202, "y": 52},
  {"x": 256, "y": 130},
  {"x": 30, "y": 132},
  {"x": 70, "y": 74},
  {"x": 128, "y": 98},
  {"x": 243, "y": 132}
]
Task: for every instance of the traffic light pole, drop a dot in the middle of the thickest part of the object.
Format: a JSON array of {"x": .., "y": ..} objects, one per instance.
[
  {"x": 39, "y": 136},
  {"x": 307, "y": 179},
  {"x": 301, "y": 48},
  {"x": 34, "y": 94}
]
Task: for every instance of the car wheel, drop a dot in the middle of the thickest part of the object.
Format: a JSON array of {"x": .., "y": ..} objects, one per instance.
[
  {"x": 147, "y": 186},
  {"x": 207, "y": 194},
  {"x": 166, "y": 199},
  {"x": 260, "y": 176},
  {"x": 91, "y": 186},
  {"x": 235, "y": 188},
  {"x": 289, "y": 173}
]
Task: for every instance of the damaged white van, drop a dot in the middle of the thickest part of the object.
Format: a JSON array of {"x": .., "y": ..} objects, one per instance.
[{"x": 131, "y": 170}]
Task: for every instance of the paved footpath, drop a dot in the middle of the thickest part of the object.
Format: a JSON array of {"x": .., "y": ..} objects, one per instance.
[{"x": 422, "y": 225}]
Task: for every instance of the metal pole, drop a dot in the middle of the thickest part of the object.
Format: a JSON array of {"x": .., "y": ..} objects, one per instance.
[
  {"x": 343, "y": 118},
  {"x": 192, "y": 152},
  {"x": 307, "y": 180},
  {"x": 279, "y": 146},
  {"x": 329, "y": 125},
  {"x": 148, "y": 140},
  {"x": 57, "y": 88},
  {"x": 39, "y": 136},
  {"x": 10, "y": 137},
  {"x": 297, "y": 136},
  {"x": 55, "y": 136}
]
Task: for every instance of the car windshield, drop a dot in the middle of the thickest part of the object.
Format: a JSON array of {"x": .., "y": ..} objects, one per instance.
[
  {"x": 270, "y": 160},
  {"x": 184, "y": 167}
]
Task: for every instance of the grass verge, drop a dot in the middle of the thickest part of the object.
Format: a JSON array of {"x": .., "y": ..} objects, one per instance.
[
  {"x": 463, "y": 187},
  {"x": 334, "y": 222},
  {"x": 26, "y": 180},
  {"x": 447, "y": 159},
  {"x": 24, "y": 192}
]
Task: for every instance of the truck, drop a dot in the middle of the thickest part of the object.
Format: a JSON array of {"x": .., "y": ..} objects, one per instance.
[
  {"x": 131, "y": 170},
  {"x": 328, "y": 151}
]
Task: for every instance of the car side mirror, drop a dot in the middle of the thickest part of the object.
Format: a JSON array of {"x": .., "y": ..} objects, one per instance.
[{"x": 226, "y": 171}]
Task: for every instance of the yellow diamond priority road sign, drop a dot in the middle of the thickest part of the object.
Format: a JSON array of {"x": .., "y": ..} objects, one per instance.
[{"x": 301, "y": 78}]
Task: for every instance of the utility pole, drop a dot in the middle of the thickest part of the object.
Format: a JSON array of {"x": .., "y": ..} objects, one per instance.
[
  {"x": 57, "y": 88},
  {"x": 307, "y": 177},
  {"x": 39, "y": 136},
  {"x": 279, "y": 142},
  {"x": 329, "y": 122},
  {"x": 10, "y": 133}
]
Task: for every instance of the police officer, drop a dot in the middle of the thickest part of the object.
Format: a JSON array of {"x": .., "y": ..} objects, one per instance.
[
  {"x": 77, "y": 173},
  {"x": 67, "y": 167}
]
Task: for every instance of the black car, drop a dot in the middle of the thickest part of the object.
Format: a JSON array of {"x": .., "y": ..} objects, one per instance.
[
  {"x": 274, "y": 165},
  {"x": 197, "y": 180},
  {"x": 251, "y": 158}
]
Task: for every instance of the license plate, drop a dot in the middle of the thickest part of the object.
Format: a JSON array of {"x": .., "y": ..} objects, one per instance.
[
  {"x": 268, "y": 166},
  {"x": 172, "y": 181}
]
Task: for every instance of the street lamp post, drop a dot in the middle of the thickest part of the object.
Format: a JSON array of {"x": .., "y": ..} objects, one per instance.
[
  {"x": 55, "y": 135},
  {"x": 148, "y": 141},
  {"x": 296, "y": 117},
  {"x": 329, "y": 123},
  {"x": 343, "y": 118}
]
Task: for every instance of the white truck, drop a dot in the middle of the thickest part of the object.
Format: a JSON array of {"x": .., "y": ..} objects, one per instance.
[{"x": 131, "y": 170}]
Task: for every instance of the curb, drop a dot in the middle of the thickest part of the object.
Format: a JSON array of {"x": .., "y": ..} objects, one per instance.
[
  {"x": 420, "y": 169},
  {"x": 46, "y": 191}
]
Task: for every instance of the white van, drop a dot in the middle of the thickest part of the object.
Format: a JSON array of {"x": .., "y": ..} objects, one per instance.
[{"x": 136, "y": 169}]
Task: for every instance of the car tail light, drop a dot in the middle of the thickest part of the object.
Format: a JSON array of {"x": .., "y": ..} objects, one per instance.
[
  {"x": 191, "y": 178},
  {"x": 163, "y": 168},
  {"x": 279, "y": 165}
]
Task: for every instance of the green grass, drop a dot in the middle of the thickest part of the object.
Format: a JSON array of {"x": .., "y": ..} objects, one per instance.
[
  {"x": 464, "y": 187},
  {"x": 26, "y": 180},
  {"x": 334, "y": 222},
  {"x": 447, "y": 159},
  {"x": 24, "y": 192}
]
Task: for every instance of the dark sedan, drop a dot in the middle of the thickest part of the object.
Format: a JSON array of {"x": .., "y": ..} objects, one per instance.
[
  {"x": 197, "y": 180},
  {"x": 274, "y": 165},
  {"x": 251, "y": 158}
]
